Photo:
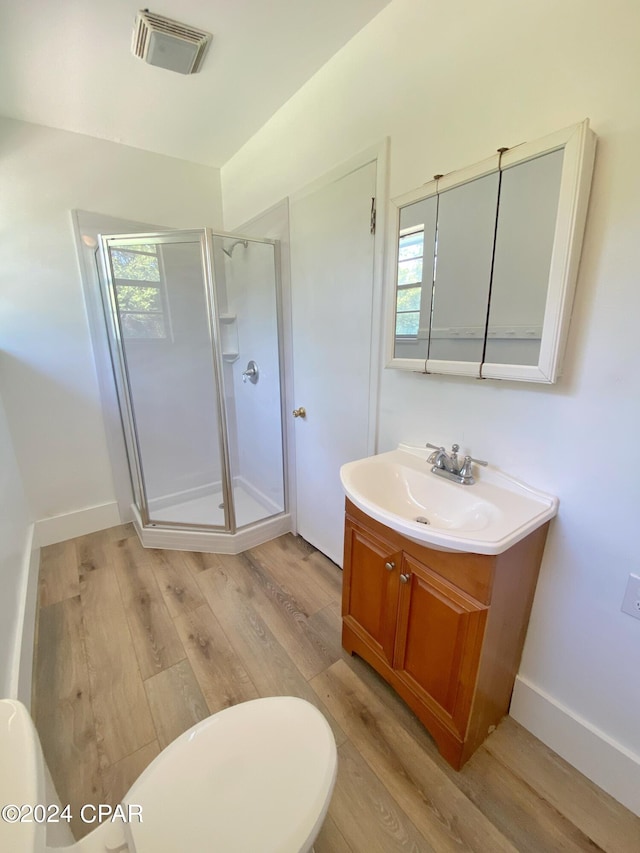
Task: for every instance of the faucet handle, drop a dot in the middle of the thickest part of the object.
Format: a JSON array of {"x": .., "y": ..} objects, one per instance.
[
  {"x": 477, "y": 461},
  {"x": 436, "y": 457},
  {"x": 454, "y": 447},
  {"x": 466, "y": 471}
]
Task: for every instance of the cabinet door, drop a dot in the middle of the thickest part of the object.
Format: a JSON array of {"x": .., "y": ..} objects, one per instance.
[
  {"x": 370, "y": 594},
  {"x": 438, "y": 642}
]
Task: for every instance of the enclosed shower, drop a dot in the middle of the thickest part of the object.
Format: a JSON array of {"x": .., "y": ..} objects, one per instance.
[{"x": 192, "y": 320}]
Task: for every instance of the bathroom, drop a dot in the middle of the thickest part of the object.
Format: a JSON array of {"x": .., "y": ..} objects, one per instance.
[{"x": 483, "y": 78}]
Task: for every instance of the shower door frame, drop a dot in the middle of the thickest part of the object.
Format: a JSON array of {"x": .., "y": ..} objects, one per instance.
[{"x": 205, "y": 237}]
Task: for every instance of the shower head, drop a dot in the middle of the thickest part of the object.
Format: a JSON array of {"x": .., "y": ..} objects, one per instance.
[{"x": 229, "y": 251}]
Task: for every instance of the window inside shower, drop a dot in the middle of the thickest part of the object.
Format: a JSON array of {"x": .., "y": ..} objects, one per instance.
[{"x": 140, "y": 290}]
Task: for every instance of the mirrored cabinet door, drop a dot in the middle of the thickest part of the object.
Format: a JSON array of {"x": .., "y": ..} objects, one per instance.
[
  {"x": 524, "y": 242},
  {"x": 465, "y": 232}
]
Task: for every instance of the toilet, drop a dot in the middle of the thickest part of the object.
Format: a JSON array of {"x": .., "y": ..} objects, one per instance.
[{"x": 253, "y": 778}]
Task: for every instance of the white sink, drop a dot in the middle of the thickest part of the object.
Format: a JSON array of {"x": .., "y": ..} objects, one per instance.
[{"x": 398, "y": 490}]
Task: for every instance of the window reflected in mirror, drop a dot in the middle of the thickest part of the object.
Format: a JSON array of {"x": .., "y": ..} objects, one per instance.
[
  {"x": 410, "y": 262},
  {"x": 416, "y": 257}
]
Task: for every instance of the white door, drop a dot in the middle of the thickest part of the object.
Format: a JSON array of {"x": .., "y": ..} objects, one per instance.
[{"x": 332, "y": 256}]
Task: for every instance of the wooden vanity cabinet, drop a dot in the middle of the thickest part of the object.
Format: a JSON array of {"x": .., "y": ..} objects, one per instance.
[{"x": 445, "y": 629}]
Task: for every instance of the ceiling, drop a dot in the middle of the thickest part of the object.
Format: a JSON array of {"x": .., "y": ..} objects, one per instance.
[{"x": 68, "y": 64}]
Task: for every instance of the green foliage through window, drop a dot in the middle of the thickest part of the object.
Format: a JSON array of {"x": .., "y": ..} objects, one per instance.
[
  {"x": 139, "y": 263},
  {"x": 138, "y": 283},
  {"x": 133, "y": 298}
]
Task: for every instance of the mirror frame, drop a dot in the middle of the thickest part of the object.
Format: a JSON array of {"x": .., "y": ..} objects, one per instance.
[{"x": 578, "y": 142}]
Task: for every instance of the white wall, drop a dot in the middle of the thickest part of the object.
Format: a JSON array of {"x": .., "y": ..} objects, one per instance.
[
  {"x": 15, "y": 550},
  {"x": 48, "y": 374},
  {"x": 450, "y": 83}
]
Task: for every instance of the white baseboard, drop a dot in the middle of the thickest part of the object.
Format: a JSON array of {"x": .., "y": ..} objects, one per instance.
[
  {"x": 58, "y": 528},
  {"x": 22, "y": 664},
  {"x": 609, "y": 764}
]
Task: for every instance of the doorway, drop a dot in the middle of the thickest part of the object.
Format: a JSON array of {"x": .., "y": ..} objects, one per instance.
[{"x": 335, "y": 262}]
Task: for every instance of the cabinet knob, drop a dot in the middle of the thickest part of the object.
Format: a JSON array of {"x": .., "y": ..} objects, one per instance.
[
  {"x": 404, "y": 578},
  {"x": 390, "y": 566}
]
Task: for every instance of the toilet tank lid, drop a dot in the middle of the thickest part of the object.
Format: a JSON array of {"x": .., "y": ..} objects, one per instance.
[{"x": 21, "y": 776}]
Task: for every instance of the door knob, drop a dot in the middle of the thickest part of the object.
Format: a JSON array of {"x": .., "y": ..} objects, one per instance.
[
  {"x": 390, "y": 566},
  {"x": 300, "y": 413},
  {"x": 404, "y": 578}
]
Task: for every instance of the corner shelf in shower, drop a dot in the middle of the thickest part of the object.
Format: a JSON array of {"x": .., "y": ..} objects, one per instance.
[{"x": 229, "y": 337}]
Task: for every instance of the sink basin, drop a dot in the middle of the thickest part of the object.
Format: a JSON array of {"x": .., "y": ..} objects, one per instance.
[{"x": 398, "y": 490}]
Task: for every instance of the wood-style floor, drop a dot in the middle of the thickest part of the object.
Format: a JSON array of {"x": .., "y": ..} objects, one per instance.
[{"x": 135, "y": 645}]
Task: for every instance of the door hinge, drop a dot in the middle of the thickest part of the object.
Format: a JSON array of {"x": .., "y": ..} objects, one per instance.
[{"x": 372, "y": 221}]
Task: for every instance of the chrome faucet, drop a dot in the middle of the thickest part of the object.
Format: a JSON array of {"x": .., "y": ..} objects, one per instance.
[{"x": 448, "y": 465}]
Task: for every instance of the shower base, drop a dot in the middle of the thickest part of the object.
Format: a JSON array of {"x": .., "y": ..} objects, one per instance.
[{"x": 206, "y": 509}]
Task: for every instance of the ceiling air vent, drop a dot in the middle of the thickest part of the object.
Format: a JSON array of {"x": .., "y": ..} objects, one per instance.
[{"x": 169, "y": 44}]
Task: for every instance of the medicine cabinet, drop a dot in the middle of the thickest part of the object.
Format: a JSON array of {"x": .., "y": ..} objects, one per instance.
[{"x": 484, "y": 262}]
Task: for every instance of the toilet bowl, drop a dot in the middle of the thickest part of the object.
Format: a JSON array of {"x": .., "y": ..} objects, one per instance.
[{"x": 254, "y": 778}]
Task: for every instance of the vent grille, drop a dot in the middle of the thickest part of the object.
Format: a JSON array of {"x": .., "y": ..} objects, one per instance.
[{"x": 169, "y": 44}]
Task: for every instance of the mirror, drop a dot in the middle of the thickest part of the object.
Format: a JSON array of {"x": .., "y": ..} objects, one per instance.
[
  {"x": 465, "y": 230},
  {"x": 484, "y": 262},
  {"x": 523, "y": 246}
]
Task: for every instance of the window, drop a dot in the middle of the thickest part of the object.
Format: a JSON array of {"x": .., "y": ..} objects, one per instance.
[
  {"x": 139, "y": 285},
  {"x": 410, "y": 262}
]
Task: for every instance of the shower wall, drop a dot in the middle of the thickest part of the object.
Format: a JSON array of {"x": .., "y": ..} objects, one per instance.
[{"x": 257, "y": 445}]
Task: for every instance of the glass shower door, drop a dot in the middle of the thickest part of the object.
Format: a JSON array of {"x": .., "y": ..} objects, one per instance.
[
  {"x": 162, "y": 303},
  {"x": 246, "y": 277}
]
